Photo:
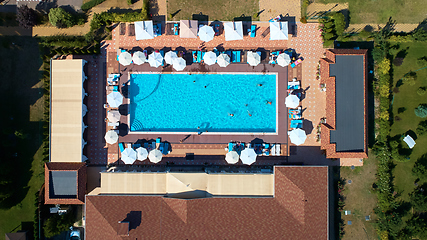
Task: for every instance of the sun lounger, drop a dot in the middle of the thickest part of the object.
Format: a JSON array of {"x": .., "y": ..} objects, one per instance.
[
  {"x": 236, "y": 58},
  {"x": 163, "y": 55},
  {"x": 121, "y": 147},
  {"x": 296, "y": 123},
  {"x": 164, "y": 148},
  {"x": 203, "y": 55},
  {"x": 216, "y": 52},
  {"x": 194, "y": 53},
  {"x": 228, "y": 53},
  {"x": 294, "y": 64},
  {"x": 175, "y": 29},
  {"x": 266, "y": 150},
  {"x": 230, "y": 146},
  {"x": 113, "y": 124},
  {"x": 199, "y": 56},
  {"x": 253, "y": 29},
  {"x": 153, "y": 145},
  {"x": 294, "y": 85},
  {"x": 278, "y": 153},
  {"x": 216, "y": 29},
  {"x": 136, "y": 145}
]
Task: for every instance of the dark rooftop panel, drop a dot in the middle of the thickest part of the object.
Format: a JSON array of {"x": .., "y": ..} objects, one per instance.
[
  {"x": 349, "y": 93},
  {"x": 63, "y": 184}
]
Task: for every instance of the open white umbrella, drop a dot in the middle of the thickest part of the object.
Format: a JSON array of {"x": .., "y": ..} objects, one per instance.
[
  {"x": 209, "y": 58},
  {"x": 278, "y": 30},
  {"x": 155, "y": 59},
  {"x": 115, "y": 99},
  {"x": 144, "y": 30},
  {"x": 113, "y": 116},
  {"x": 111, "y": 137},
  {"x": 253, "y": 58},
  {"x": 248, "y": 156},
  {"x": 125, "y": 58},
  {"x": 139, "y": 58},
  {"x": 232, "y": 157},
  {"x": 155, "y": 156},
  {"x": 170, "y": 56},
  {"x": 179, "y": 64},
  {"x": 292, "y": 101},
  {"x": 206, "y": 33},
  {"x": 141, "y": 153},
  {"x": 283, "y": 59},
  {"x": 223, "y": 60},
  {"x": 129, "y": 156},
  {"x": 233, "y": 31},
  {"x": 297, "y": 136}
]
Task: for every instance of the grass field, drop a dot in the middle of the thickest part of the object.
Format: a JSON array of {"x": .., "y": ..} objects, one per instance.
[
  {"x": 360, "y": 200},
  {"x": 222, "y": 10},
  {"x": 22, "y": 110},
  {"x": 408, "y": 98},
  {"x": 378, "y": 11}
]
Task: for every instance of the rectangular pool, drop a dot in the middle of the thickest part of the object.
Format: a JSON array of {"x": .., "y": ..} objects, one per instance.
[{"x": 203, "y": 102}]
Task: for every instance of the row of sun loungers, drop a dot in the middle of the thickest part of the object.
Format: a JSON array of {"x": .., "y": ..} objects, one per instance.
[{"x": 261, "y": 149}]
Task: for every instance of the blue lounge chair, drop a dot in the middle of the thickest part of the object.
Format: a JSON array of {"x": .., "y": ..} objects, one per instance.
[
  {"x": 145, "y": 145},
  {"x": 253, "y": 29},
  {"x": 175, "y": 29},
  {"x": 121, "y": 147},
  {"x": 235, "y": 57},
  {"x": 228, "y": 53},
  {"x": 115, "y": 88},
  {"x": 230, "y": 146},
  {"x": 159, "y": 29},
  {"x": 136, "y": 145},
  {"x": 165, "y": 148},
  {"x": 158, "y": 140},
  {"x": 216, "y": 29},
  {"x": 120, "y": 52},
  {"x": 203, "y": 54},
  {"x": 199, "y": 56},
  {"x": 296, "y": 123},
  {"x": 216, "y": 52},
  {"x": 163, "y": 55}
]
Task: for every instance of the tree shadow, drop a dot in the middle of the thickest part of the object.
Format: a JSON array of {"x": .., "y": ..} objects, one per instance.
[
  {"x": 201, "y": 18},
  {"x": 134, "y": 219}
]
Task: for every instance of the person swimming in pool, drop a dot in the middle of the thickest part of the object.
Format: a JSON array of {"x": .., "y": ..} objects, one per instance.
[{"x": 231, "y": 115}]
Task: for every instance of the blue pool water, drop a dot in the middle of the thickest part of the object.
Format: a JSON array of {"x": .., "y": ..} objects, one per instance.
[{"x": 203, "y": 102}]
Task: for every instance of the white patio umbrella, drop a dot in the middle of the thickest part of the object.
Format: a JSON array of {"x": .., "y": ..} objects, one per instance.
[
  {"x": 248, "y": 156},
  {"x": 253, "y": 58},
  {"x": 129, "y": 156},
  {"x": 278, "y": 30},
  {"x": 139, "y": 58},
  {"x": 209, "y": 58},
  {"x": 144, "y": 30},
  {"x": 233, "y": 31},
  {"x": 283, "y": 59},
  {"x": 113, "y": 116},
  {"x": 115, "y": 99},
  {"x": 297, "y": 136},
  {"x": 141, "y": 153},
  {"x": 292, "y": 101},
  {"x": 155, "y": 156},
  {"x": 155, "y": 59},
  {"x": 232, "y": 157},
  {"x": 179, "y": 64},
  {"x": 206, "y": 33},
  {"x": 111, "y": 137},
  {"x": 125, "y": 58},
  {"x": 170, "y": 56},
  {"x": 223, "y": 60}
]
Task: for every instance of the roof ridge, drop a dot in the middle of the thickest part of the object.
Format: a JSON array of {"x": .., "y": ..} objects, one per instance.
[{"x": 179, "y": 206}]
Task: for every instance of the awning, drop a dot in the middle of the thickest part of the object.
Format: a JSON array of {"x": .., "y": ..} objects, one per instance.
[
  {"x": 144, "y": 30},
  {"x": 188, "y": 28},
  {"x": 233, "y": 31}
]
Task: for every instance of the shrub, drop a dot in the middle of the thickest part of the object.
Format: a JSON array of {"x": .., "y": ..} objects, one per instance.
[
  {"x": 422, "y": 62},
  {"x": 422, "y": 127},
  {"x": 130, "y": 2},
  {"x": 384, "y": 66},
  {"x": 145, "y": 9},
  {"x": 56, "y": 224},
  {"x": 384, "y": 115},
  {"x": 419, "y": 35},
  {"x": 339, "y": 22},
  {"x": 26, "y": 17},
  {"x": 421, "y": 111},
  {"x": 419, "y": 198},
  {"x": 303, "y": 20},
  {"x": 401, "y": 109},
  {"x": 328, "y": 36},
  {"x": 88, "y": 5},
  {"x": 410, "y": 78},
  {"x": 420, "y": 168},
  {"x": 60, "y": 18},
  {"x": 421, "y": 91},
  {"x": 384, "y": 91}
]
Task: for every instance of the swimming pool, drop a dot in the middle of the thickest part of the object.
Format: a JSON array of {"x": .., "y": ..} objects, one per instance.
[{"x": 203, "y": 102}]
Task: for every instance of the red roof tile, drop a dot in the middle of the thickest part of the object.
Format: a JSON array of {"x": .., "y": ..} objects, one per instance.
[{"x": 299, "y": 210}]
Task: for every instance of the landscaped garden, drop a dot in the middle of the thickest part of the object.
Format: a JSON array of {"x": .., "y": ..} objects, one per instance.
[
  {"x": 379, "y": 11},
  {"x": 215, "y": 10}
]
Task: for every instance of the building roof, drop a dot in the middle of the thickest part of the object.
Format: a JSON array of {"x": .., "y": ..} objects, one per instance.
[
  {"x": 298, "y": 210},
  {"x": 66, "y": 110},
  {"x": 65, "y": 183},
  {"x": 344, "y": 135},
  {"x": 16, "y": 236},
  {"x": 219, "y": 184}
]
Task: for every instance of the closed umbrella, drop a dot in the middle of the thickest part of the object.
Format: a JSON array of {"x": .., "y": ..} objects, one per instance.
[
  {"x": 232, "y": 157},
  {"x": 209, "y": 58},
  {"x": 170, "y": 56},
  {"x": 155, "y": 156},
  {"x": 141, "y": 153},
  {"x": 253, "y": 58},
  {"x": 223, "y": 60},
  {"x": 139, "y": 58},
  {"x": 125, "y": 58},
  {"x": 155, "y": 59},
  {"x": 292, "y": 101},
  {"x": 248, "y": 156},
  {"x": 283, "y": 59},
  {"x": 113, "y": 116},
  {"x": 129, "y": 156},
  {"x": 115, "y": 99},
  {"x": 179, "y": 64},
  {"x": 297, "y": 136},
  {"x": 206, "y": 33},
  {"x": 111, "y": 137}
]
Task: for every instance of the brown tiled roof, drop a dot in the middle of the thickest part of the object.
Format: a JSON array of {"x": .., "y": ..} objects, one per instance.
[
  {"x": 80, "y": 168},
  {"x": 299, "y": 210},
  {"x": 330, "y": 103}
]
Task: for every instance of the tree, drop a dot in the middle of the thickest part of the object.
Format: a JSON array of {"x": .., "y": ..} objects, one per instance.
[
  {"x": 410, "y": 78},
  {"x": 419, "y": 198},
  {"x": 421, "y": 91},
  {"x": 56, "y": 224},
  {"x": 60, "y": 18},
  {"x": 420, "y": 168},
  {"x": 421, "y": 111},
  {"x": 422, "y": 127},
  {"x": 26, "y": 17},
  {"x": 339, "y": 21}
]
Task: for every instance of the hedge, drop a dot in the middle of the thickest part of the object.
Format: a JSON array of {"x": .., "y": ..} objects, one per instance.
[{"x": 92, "y": 3}]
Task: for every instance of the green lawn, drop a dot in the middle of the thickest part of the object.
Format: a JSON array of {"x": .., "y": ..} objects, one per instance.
[
  {"x": 378, "y": 11},
  {"x": 408, "y": 98},
  {"x": 221, "y": 10},
  {"x": 22, "y": 110}
]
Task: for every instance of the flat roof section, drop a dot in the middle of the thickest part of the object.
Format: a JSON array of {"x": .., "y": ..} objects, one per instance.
[
  {"x": 63, "y": 184},
  {"x": 348, "y": 71}
]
